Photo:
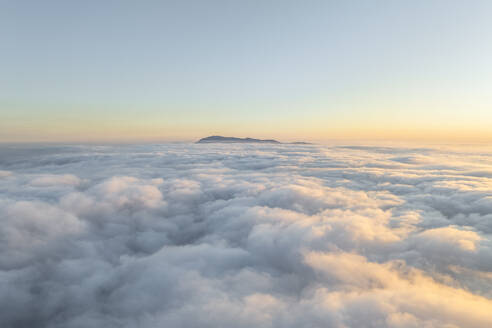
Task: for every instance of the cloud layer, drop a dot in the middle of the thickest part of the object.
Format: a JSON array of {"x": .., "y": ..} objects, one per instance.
[{"x": 245, "y": 235}]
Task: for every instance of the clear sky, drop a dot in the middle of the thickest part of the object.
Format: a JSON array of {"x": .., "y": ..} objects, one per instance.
[{"x": 181, "y": 70}]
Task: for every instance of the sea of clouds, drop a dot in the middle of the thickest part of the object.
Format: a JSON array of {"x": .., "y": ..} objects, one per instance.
[{"x": 204, "y": 235}]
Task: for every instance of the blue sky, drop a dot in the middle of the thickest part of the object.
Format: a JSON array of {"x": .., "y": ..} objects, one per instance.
[{"x": 178, "y": 70}]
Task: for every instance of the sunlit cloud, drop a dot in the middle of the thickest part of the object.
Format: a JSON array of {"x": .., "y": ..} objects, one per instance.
[{"x": 191, "y": 235}]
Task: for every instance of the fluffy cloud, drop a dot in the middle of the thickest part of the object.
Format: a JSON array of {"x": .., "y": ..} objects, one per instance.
[
  {"x": 50, "y": 180},
  {"x": 231, "y": 235}
]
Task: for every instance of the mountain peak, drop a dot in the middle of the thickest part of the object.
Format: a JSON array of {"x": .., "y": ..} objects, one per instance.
[{"x": 220, "y": 139}]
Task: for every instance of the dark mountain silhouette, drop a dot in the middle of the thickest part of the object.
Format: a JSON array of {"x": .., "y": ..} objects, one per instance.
[{"x": 234, "y": 140}]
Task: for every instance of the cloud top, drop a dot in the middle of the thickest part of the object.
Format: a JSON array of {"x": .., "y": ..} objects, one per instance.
[{"x": 245, "y": 235}]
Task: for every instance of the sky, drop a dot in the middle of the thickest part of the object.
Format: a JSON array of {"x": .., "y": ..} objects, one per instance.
[{"x": 182, "y": 70}]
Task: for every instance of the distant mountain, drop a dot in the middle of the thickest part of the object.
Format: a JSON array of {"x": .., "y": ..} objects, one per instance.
[{"x": 221, "y": 139}]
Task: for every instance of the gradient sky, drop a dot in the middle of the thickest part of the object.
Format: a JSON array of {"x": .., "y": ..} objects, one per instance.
[{"x": 181, "y": 70}]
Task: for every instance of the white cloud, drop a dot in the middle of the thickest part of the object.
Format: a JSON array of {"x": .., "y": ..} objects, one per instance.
[
  {"x": 448, "y": 237},
  {"x": 245, "y": 235},
  {"x": 49, "y": 180},
  {"x": 4, "y": 174}
]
